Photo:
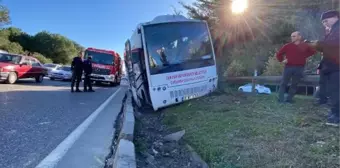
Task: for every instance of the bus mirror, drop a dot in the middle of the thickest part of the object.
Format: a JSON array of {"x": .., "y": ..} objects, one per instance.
[{"x": 139, "y": 31}]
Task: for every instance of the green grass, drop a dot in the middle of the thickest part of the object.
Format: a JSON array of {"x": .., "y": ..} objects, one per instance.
[{"x": 238, "y": 130}]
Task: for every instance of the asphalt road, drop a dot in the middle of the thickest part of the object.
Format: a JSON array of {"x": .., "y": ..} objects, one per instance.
[{"x": 35, "y": 118}]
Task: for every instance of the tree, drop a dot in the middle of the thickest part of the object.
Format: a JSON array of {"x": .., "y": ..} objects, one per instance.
[
  {"x": 251, "y": 36},
  {"x": 42, "y": 58},
  {"x": 56, "y": 47},
  {"x": 4, "y": 16},
  {"x": 47, "y": 46}
]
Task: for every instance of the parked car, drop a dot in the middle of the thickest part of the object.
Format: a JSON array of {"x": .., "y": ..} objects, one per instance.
[
  {"x": 63, "y": 73},
  {"x": 14, "y": 67},
  {"x": 51, "y": 67},
  {"x": 3, "y": 51},
  {"x": 258, "y": 88}
]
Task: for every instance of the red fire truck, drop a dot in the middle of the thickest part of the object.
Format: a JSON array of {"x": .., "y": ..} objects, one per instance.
[{"x": 106, "y": 65}]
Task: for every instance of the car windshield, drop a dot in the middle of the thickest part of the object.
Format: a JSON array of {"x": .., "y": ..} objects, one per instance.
[
  {"x": 100, "y": 58},
  {"x": 9, "y": 58},
  {"x": 178, "y": 46},
  {"x": 50, "y": 65},
  {"x": 64, "y": 68}
]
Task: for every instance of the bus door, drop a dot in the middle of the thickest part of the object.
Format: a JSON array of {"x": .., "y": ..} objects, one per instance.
[
  {"x": 139, "y": 68},
  {"x": 131, "y": 72}
]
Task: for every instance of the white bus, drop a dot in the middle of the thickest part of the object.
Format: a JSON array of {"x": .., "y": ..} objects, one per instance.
[{"x": 169, "y": 60}]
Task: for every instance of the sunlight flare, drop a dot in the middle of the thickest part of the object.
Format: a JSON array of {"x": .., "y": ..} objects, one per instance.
[{"x": 239, "y": 6}]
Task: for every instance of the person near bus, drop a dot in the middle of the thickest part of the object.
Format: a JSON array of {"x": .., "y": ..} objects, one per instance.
[
  {"x": 77, "y": 71},
  {"x": 330, "y": 66},
  {"x": 295, "y": 54},
  {"x": 87, "y": 73}
]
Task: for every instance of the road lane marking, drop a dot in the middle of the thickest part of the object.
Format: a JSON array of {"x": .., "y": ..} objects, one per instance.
[
  {"x": 51, "y": 160},
  {"x": 44, "y": 123}
]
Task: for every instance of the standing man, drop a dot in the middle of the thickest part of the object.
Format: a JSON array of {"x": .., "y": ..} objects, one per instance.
[
  {"x": 296, "y": 54},
  {"x": 88, "y": 71},
  {"x": 77, "y": 71},
  {"x": 330, "y": 66},
  {"x": 323, "y": 89}
]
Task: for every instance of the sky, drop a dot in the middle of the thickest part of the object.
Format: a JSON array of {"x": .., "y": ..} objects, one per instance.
[{"x": 104, "y": 24}]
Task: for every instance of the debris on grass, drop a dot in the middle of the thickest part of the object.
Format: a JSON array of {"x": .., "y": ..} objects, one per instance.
[{"x": 158, "y": 147}]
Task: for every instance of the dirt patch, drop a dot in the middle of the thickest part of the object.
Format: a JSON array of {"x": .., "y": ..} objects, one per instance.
[{"x": 152, "y": 151}]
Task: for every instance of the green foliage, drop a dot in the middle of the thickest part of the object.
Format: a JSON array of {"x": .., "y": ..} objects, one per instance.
[
  {"x": 273, "y": 67},
  {"x": 54, "y": 46},
  {"x": 41, "y": 58},
  {"x": 51, "y": 47},
  {"x": 235, "y": 68},
  {"x": 251, "y": 37},
  {"x": 4, "y": 15}
]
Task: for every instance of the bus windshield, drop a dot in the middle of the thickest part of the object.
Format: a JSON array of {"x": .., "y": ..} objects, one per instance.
[
  {"x": 178, "y": 46},
  {"x": 100, "y": 58}
]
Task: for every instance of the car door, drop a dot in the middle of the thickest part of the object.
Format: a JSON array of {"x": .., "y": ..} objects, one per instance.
[
  {"x": 25, "y": 68},
  {"x": 37, "y": 68}
]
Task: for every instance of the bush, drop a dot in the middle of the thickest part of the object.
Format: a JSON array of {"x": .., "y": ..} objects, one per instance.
[
  {"x": 42, "y": 58},
  {"x": 273, "y": 67},
  {"x": 11, "y": 47},
  {"x": 235, "y": 68}
]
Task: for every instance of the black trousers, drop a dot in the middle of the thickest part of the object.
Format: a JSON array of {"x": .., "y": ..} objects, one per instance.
[
  {"x": 294, "y": 73},
  {"x": 76, "y": 79},
  {"x": 333, "y": 86},
  {"x": 323, "y": 88},
  {"x": 87, "y": 82}
]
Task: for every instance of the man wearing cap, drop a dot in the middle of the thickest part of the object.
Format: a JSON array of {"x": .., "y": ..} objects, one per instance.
[
  {"x": 88, "y": 71},
  {"x": 323, "y": 89},
  {"x": 295, "y": 54},
  {"x": 330, "y": 65}
]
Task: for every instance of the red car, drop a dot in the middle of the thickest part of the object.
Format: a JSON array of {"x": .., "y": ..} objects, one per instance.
[{"x": 14, "y": 67}]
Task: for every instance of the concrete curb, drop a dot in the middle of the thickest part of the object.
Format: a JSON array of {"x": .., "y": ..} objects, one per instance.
[{"x": 125, "y": 156}]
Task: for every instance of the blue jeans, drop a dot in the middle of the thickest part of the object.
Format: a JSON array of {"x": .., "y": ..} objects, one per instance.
[{"x": 333, "y": 84}]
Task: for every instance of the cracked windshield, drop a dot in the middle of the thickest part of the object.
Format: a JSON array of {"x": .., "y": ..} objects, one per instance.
[{"x": 169, "y": 84}]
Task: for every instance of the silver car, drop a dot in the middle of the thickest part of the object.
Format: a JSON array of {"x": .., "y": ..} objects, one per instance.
[
  {"x": 51, "y": 67},
  {"x": 63, "y": 73}
]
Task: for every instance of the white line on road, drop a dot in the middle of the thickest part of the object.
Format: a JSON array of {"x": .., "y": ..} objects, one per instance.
[{"x": 51, "y": 160}]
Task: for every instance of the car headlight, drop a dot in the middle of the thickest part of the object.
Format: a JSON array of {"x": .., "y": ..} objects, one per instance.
[{"x": 111, "y": 76}]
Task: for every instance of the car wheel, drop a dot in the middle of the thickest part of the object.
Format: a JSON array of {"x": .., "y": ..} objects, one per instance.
[
  {"x": 241, "y": 90},
  {"x": 256, "y": 91},
  {"x": 51, "y": 78},
  {"x": 12, "y": 78},
  {"x": 39, "y": 78}
]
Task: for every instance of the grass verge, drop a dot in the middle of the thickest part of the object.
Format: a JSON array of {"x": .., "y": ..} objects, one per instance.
[{"x": 238, "y": 130}]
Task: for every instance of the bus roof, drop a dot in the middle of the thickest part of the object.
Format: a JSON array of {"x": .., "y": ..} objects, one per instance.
[
  {"x": 168, "y": 19},
  {"x": 103, "y": 51}
]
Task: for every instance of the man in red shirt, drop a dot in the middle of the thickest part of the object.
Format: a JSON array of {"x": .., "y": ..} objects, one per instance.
[{"x": 295, "y": 54}]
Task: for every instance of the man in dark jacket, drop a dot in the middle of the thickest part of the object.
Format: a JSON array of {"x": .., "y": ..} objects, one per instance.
[
  {"x": 295, "y": 54},
  {"x": 323, "y": 89},
  {"x": 77, "y": 71},
  {"x": 88, "y": 71},
  {"x": 330, "y": 65}
]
